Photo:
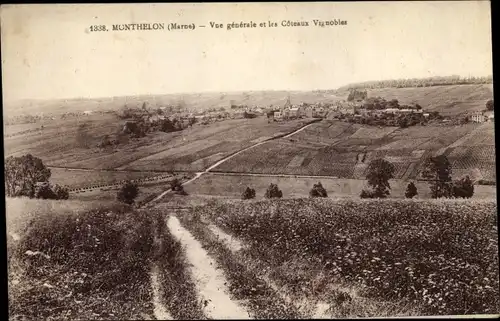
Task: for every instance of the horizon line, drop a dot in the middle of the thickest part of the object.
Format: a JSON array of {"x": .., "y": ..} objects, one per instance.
[{"x": 237, "y": 91}]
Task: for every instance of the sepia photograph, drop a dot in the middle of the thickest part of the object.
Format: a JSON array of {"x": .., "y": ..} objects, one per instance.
[{"x": 284, "y": 160}]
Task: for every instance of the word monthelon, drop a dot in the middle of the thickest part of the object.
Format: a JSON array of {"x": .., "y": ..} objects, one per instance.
[{"x": 139, "y": 26}]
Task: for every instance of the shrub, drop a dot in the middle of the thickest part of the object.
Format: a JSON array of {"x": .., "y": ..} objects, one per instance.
[
  {"x": 177, "y": 187},
  {"x": 463, "y": 188},
  {"x": 411, "y": 190},
  {"x": 365, "y": 193},
  {"x": 249, "y": 193},
  {"x": 489, "y": 105},
  {"x": 318, "y": 191},
  {"x": 62, "y": 193},
  {"x": 273, "y": 192},
  {"x": 45, "y": 192},
  {"x": 128, "y": 193}
]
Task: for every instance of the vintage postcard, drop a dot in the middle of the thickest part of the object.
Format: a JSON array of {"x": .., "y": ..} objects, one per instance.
[{"x": 249, "y": 160}]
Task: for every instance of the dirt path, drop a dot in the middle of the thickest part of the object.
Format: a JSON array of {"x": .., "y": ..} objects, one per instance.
[
  {"x": 210, "y": 281},
  {"x": 319, "y": 308},
  {"x": 160, "y": 312},
  {"x": 225, "y": 159}
]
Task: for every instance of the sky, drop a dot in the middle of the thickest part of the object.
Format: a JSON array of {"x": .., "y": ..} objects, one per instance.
[{"x": 48, "y": 51}]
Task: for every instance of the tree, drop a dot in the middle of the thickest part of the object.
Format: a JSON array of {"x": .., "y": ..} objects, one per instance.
[
  {"x": 438, "y": 170},
  {"x": 380, "y": 172},
  {"x": 411, "y": 190},
  {"x": 489, "y": 105},
  {"x": 463, "y": 188},
  {"x": 273, "y": 192},
  {"x": 403, "y": 122},
  {"x": 128, "y": 193},
  {"x": 318, "y": 191},
  {"x": 249, "y": 193},
  {"x": 22, "y": 173},
  {"x": 177, "y": 187}
]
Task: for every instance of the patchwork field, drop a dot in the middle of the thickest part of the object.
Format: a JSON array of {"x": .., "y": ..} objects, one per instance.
[
  {"x": 72, "y": 143},
  {"x": 199, "y": 150},
  {"x": 79, "y": 178},
  {"x": 338, "y": 149},
  {"x": 447, "y": 100}
]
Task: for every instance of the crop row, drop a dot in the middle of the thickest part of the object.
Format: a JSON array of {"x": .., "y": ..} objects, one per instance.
[{"x": 440, "y": 255}]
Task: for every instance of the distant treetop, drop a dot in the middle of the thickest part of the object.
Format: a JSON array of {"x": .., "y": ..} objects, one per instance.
[{"x": 418, "y": 82}]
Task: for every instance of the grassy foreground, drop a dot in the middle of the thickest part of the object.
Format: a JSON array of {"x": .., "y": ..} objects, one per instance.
[
  {"x": 439, "y": 255},
  {"x": 70, "y": 260}
]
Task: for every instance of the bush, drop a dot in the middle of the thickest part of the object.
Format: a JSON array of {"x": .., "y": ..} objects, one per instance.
[
  {"x": 318, "y": 191},
  {"x": 365, "y": 193},
  {"x": 45, "y": 192},
  {"x": 128, "y": 193},
  {"x": 411, "y": 190},
  {"x": 463, "y": 188},
  {"x": 489, "y": 105},
  {"x": 249, "y": 193},
  {"x": 177, "y": 187},
  {"x": 273, "y": 192}
]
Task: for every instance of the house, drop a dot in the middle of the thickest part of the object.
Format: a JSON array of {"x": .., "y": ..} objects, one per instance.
[
  {"x": 278, "y": 115},
  {"x": 87, "y": 112},
  {"x": 481, "y": 117},
  {"x": 293, "y": 112}
]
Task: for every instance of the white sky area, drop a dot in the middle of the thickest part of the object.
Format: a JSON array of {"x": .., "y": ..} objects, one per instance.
[{"x": 48, "y": 53}]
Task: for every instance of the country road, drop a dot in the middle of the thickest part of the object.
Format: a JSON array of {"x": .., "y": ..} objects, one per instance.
[{"x": 225, "y": 159}]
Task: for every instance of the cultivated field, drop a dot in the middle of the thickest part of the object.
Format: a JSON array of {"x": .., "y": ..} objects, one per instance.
[
  {"x": 232, "y": 186},
  {"x": 447, "y": 100},
  {"x": 65, "y": 143},
  {"x": 83, "y": 178},
  {"x": 349, "y": 257},
  {"x": 205, "y": 146},
  {"x": 338, "y": 149}
]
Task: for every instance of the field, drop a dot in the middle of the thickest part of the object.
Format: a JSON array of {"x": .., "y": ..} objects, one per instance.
[
  {"x": 65, "y": 143},
  {"x": 199, "y": 150},
  {"x": 439, "y": 257},
  {"x": 338, "y": 149},
  {"x": 196, "y": 101},
  {"x": 447, "y": 100},
  {"x": 233, "y": 185},
  {"x": 81, "y": 178}
]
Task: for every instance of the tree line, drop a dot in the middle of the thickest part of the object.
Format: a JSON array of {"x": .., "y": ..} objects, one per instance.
[
  {"x": 437, "y": 170},
  {"x": 418, "y": 82}
]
